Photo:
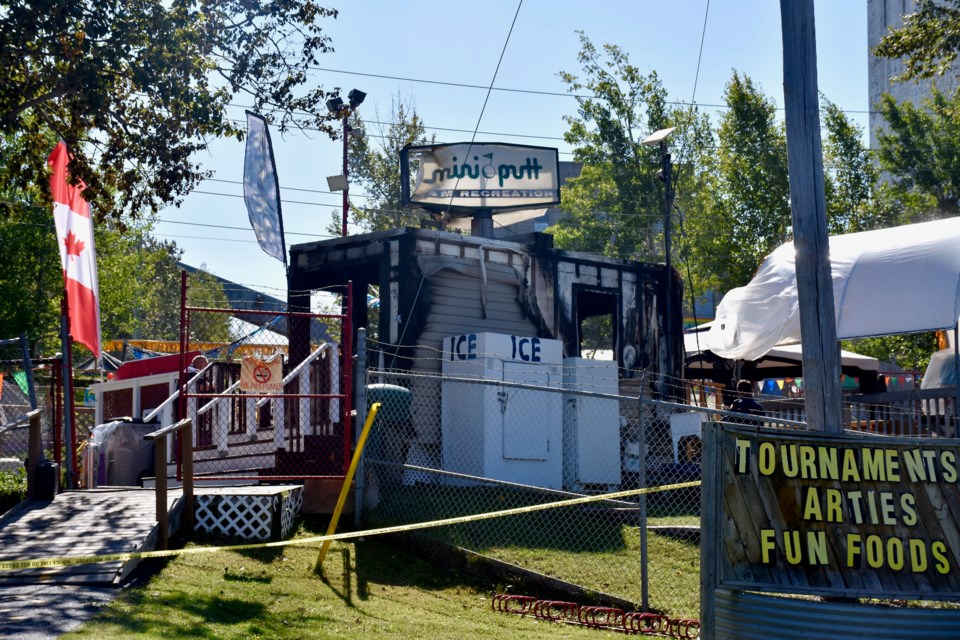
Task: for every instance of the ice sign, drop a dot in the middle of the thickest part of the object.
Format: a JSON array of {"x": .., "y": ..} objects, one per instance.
[{"x": 531, "y": 349}]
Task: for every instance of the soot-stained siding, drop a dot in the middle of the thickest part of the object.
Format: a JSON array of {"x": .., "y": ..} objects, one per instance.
[{"x": 434, "y": 284}]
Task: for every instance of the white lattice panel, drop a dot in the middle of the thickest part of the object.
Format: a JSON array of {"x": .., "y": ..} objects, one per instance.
[
  {"x": 251, "y": 517},
  {"x": 290, "y": 506}
]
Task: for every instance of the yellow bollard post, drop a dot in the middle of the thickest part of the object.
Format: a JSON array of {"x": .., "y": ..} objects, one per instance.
[{"x": 342, "y": 500}]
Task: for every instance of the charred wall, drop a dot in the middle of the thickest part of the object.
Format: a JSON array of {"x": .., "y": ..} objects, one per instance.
[{"x": 433, "y": 284}]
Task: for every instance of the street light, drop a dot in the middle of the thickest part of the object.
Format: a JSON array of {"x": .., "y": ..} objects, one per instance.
[
  {"x": 659, "y": 138},
  {"x": 337, "y": 107}
]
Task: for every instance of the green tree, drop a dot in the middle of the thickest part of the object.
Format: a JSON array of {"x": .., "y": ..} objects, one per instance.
[
  {"x": 139, "y": 281},
  {"x": 928, "y": 40},
  {"x": 204, "y": 290},
  {"x": 136, "y": 87},
  {"x": 920, "y": 150},
  {"x": 140, "y": 289},
  {"x": 695, "y": 233},
  {"x": 752, "y": 212},
  {"x": 615, "y": 205},
  {"x": 31, "y": 276},
  {"x": 850, "y": 174},
  {"x": 909, "y": 352},
  {"x": 375, "y": 165}
]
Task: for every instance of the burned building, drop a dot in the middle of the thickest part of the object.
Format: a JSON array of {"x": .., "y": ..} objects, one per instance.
[{"x": 434, "y": 284}]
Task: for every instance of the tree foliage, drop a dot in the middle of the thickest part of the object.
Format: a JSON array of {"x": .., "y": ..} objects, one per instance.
[
  {"x": 375, "y": 165},
  {"x": 734, "y": 202},
  {"x": 910, "y": 352},
  {"x": 137, "y": 87},
  {"x": 920, "y": 149},
  {"x": 138, "y": 276},
  {"x": 851, "y": 177},
  {"x": 613, "y": 206},
  {"x": 753, "y": 187},
  {"x": 928, "y": 40}
]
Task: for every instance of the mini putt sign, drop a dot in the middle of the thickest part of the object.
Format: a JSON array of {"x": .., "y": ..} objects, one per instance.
[
  {"x": 855, "y": 516},
  {"x": 480, "y": 175}
]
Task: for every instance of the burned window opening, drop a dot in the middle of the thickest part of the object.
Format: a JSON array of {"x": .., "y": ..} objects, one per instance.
[{"x": 596, "y": 322}]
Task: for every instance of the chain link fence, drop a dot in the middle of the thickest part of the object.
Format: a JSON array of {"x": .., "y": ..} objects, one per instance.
[
  {"x": 444, "y": 446},
  {"x": 464, "y": 441},
  {"x": 25, "y": 384},
  {"x": 288, "y": 424}
]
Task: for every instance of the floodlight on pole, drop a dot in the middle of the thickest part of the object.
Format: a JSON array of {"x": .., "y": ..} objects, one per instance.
[
  {"x": 339, "y": 108},
  {"x": 659, "y": 138},
  {"x": 356, "y": 98}
]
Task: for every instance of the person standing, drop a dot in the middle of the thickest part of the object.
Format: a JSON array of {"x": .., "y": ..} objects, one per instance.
[{"x": 746, "y": 405}]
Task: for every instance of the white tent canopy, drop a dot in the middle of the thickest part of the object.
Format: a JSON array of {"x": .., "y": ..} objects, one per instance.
[
  {"x": 775, "y": 357},
  {"x": 889, "y": 281}
]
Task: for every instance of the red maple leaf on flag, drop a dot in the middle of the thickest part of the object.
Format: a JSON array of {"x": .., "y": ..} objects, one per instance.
[{"x": 74, "y": 246}]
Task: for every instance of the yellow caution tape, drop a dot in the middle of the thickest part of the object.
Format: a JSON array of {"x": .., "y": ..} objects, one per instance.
[{"x": 12, "y": 565}]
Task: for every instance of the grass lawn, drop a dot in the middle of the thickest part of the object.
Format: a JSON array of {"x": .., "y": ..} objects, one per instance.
[
  {"x": 368, "y": 589},
  {"x": 590, "y": 547}
]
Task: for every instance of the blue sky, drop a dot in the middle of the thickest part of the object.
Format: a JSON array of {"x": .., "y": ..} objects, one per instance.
[{"x": 460, "y": 42}]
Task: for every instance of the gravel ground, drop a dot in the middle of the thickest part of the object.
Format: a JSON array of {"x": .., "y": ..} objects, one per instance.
[{"x": 42, "y": 611}]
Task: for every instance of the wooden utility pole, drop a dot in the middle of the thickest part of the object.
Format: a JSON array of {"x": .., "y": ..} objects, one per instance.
[{"x": 821, "y": 354}]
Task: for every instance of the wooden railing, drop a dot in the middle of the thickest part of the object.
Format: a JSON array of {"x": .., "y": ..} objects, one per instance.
[
  {"x": 915, "y": 412},
  {"x": 159, "y": 439}
]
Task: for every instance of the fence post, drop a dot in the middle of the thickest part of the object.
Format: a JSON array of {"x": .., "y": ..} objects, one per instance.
[
  {"x": 186, "y": 461},
  {"x": 34, "y": 451},
  {"x": 184, "y": 429},
  {"x": 360, "y": 392},
  {"x": 642, "y": 508},
  {"x": 160, "y": 490}
]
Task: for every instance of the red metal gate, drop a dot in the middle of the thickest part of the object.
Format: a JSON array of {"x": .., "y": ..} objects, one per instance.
[{"x": 300, "y": 429}]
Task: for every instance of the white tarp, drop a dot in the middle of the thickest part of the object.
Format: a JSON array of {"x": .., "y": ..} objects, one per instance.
[
  {"x": 777, "y": 356},
  {"x": 889, "y": 281}
]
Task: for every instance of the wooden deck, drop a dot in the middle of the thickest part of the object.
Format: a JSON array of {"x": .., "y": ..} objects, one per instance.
[{"x": 80, "y": 523}]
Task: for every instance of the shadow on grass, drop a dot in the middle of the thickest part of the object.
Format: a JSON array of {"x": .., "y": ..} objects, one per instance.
[
  {"x": 378, "y": 560},
  {"x": 572, "y": 529},
  {"x": 212, "y": 610},
  {"x": 382, "y": 562},
  {"x": 242, "y": 577},
  {"x": 345, "y": 591},
  {"x": 265, "y": 555}
]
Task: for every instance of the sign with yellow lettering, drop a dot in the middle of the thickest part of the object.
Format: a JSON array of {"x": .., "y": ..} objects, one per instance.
[{"x": 858, "y": 516}]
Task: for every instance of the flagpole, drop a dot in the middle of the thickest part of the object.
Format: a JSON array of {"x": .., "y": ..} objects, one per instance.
[{"x": 68, "y": 405}]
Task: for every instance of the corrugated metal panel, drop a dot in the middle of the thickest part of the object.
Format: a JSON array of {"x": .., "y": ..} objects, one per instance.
[
  {"x": 750, "y": 616},
  {"x": 456, "y": 308}
]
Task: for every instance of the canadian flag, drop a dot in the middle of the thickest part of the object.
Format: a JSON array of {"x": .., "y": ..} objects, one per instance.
[{"x": 77, "y": 254}]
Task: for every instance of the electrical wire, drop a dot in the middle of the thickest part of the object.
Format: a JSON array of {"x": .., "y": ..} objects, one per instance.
[
  {"x": 416, "y": 296},
  {"x": 563, "y": 94}
]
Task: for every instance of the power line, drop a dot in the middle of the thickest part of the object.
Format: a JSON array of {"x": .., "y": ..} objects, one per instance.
[
  {"x": 223, "y": 226},
  {"x": 240, "y": 195},
  {"x": 584, "y": 96},
  {"x": 503, "y": 50}
]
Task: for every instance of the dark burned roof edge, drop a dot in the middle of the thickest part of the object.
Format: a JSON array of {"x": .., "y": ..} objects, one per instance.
[
  {"x": 432, "y": 234},
  {"x": 360, "y": 238}
]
